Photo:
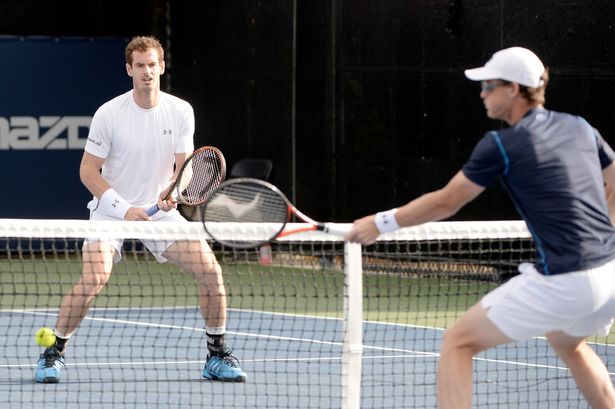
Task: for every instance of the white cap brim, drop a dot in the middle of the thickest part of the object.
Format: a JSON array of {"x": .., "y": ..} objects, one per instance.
[{"x": 482, "y": 74}]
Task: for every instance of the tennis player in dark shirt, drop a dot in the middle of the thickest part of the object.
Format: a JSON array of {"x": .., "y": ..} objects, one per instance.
[{"x": 554, "y": 167}]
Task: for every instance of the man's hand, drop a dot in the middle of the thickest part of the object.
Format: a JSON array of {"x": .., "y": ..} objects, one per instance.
[
  {"x": 363, "y": 231},
  {"x": 136, "y": 214},
  {"x": 170, "y": 203}
]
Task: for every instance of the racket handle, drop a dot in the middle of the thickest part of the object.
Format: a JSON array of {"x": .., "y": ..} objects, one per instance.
[
  {"x": 337, "y": 229},
  {"x": 152, "y": 210}
]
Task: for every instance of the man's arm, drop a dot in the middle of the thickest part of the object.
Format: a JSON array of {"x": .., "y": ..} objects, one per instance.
[
  {"x": 609, "y": 178},
  {"x": 180, "y": 158},
  {"x": 166, "y": 205},
  {"x": 436, "y": 205},
  {"x": 89, "y": 172}
]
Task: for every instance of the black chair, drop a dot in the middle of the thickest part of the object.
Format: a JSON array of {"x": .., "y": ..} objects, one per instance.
[{"x": 252, "y": 168}]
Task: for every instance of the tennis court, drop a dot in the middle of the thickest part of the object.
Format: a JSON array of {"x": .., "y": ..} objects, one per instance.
[
  {"x": 142, "y": 343},
  {"x": 293, "y": 362}
]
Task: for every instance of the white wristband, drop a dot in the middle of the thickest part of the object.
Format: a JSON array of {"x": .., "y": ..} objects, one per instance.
[
  {"x": 386, "y": 221},
  {"x": 112, "y": 204}
]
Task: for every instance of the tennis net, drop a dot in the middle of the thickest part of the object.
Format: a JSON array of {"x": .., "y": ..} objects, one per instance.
[{"x": 315, "y": 322}]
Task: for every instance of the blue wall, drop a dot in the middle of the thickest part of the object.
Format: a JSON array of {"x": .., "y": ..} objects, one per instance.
[{"x": 51, "y": 88}]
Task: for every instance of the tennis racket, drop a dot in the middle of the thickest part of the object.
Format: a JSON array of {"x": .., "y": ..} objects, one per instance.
[
  {"x": 201, "y": 173},
  {"x": 248, "y": 200}
]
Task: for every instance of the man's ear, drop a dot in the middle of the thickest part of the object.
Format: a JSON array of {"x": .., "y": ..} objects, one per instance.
[{"x": 514, "y": 90}]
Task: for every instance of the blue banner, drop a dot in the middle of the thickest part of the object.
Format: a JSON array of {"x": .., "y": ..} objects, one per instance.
[{"x": 51, "y": 89}]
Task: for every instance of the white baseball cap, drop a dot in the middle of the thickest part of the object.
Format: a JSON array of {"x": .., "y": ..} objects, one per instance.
[{"x": 515, "y": 64}]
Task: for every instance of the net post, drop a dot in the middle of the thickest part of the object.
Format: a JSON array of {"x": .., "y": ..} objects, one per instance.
[{"x": 352, "y": 353}]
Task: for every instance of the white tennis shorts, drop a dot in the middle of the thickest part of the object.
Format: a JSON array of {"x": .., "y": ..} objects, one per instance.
[
  {"x": 580, "y": 303},
  {"x": 156, "y": 247}
]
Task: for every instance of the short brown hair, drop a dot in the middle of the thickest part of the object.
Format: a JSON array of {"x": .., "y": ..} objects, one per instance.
[
  {"x": 536, "y": 96},
  {"x": 142, "y": 44}
]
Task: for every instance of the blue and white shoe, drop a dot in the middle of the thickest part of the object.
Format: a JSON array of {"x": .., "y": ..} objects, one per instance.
[
  {"x": 49, "y": 365},
  {"x": 224, "y": 368}
]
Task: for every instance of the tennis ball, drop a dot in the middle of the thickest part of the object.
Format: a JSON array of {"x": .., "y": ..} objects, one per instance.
[{"x": 45, "y": 337}]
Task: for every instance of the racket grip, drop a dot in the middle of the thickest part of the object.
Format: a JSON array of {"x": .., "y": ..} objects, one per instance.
[
  {"x": 152, "y": 210},
  {"x": 337, "y": 229}
]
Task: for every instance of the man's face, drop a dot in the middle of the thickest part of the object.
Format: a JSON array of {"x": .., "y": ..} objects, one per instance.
[
  {"x": 145, "y": 70},
  {"x": 497, "y": 98}
]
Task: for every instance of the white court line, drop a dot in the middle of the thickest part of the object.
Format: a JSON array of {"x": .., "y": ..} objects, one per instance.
[
  {"x": 192, "y": 362},
  {"x": 295, "y": 339},
  {"x": 282, "y": 314},
  {"x": 194, "y": 329}
]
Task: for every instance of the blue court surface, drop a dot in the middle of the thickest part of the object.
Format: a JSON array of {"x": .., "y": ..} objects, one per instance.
[{"x": 152, "y": 357}]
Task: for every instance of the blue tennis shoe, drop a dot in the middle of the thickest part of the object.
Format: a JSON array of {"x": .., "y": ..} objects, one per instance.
[
  {"x": 49, "y": 365},
  {"x": 224, "y": 368}
]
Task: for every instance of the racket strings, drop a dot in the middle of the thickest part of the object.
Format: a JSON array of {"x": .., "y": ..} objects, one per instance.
[
  {"x": 246, "y": 203},
  {"x": 203, "y": 173}
]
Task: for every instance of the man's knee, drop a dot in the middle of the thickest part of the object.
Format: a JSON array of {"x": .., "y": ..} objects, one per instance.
[
  {"x": 473, "y": 332},
  {"x": 456, "y": 340},
  {"x": 193, "y": 256},
  {"x": 566, "y": 346}
]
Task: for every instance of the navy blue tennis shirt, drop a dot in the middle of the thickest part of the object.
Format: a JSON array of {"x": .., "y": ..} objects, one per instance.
[{"x": 551, "y": 165}]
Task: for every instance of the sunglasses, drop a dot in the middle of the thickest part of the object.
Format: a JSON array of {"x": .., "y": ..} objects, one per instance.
[{"x": 488, "y": 86}]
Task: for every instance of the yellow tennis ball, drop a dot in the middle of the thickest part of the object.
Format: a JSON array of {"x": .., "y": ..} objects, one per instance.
[{"x": 45, "y": 337}]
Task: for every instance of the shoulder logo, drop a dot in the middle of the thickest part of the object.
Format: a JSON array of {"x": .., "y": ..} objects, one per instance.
[{"x": 167, "y": 132}]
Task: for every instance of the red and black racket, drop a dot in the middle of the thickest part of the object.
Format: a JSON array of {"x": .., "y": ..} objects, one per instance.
[{"x": 237, "y": 202}]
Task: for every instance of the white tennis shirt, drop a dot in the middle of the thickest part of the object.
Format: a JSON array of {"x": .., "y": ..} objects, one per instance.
[{"x": 139, "y": 145}]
